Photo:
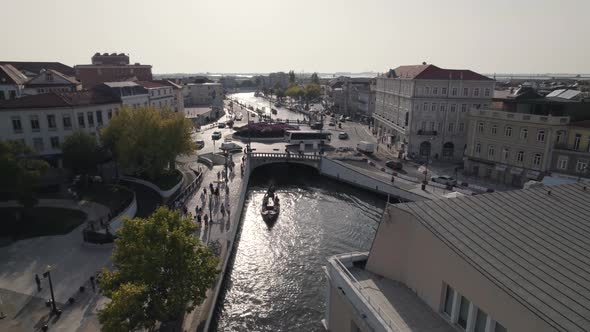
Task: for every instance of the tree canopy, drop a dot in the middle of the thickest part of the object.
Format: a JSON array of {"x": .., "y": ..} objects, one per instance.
[
  {"x": 147, "y": 141},
  {"x": 161, "y": 270},
  {"x": 294, "y": 91},
  {"x": 315, "y": 79},
  {"x": 291, "y": 77},
  {"x": 80, "y": 152},
  {"x": 312, "y": 91},
  {"x": 19, "y": 171}
]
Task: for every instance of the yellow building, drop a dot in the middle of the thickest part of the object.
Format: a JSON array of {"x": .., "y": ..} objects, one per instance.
[{"x": 572, "y": 156}]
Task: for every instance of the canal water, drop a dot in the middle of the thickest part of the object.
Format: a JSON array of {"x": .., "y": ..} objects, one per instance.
[
  {"x": 282, "y": 113},
  {"x": 276, "y": 282}
]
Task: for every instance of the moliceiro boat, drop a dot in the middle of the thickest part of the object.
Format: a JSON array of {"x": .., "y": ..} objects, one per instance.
[{"x": 270, "y": 206}]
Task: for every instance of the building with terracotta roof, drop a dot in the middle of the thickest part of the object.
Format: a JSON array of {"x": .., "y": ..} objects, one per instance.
[
  {"x": 421, "y": 110},
  {"x": 12, "y": 82},
  {"x": 51, "y": 80},
  {"x": 34, "y": 68},
  {"x": 43, "y": 121},
  {"x": 507, "y": 261},
  {"x": 111, "y": 68}
]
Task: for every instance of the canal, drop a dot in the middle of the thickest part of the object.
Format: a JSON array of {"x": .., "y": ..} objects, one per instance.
[
  {"x": 257, "y": 102},
  {"x": 276, "y": 282}
]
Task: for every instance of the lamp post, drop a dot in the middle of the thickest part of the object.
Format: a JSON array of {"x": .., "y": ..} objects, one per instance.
[{"x": 47, "y": 275}]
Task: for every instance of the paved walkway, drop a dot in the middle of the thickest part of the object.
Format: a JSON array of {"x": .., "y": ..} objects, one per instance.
[{"x": 71, "y": 263}]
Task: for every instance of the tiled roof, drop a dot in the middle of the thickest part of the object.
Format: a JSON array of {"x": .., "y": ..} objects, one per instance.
[
  {"x": 71, "y": 80},
  {"x": 36, "y": 67},
  {"x": 432, "y": 72},
  {"x": 59, "y": 99},
  {"x": 152, "y": 84},
  {"x": 11, "y": 75},
  {"x": 534, "y": 244}
]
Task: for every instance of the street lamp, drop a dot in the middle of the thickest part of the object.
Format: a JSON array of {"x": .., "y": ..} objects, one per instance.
[{"x": 54, "y": 308}]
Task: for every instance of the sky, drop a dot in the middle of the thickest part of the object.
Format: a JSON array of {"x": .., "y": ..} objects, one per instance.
[{"x": 246, "y": 36}]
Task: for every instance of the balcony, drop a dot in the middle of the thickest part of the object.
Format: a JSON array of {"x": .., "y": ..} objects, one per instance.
[{"x": 422, "y": 132}]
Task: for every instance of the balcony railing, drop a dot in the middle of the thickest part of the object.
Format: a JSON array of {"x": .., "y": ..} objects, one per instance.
[{"x": 427, "y": 132}]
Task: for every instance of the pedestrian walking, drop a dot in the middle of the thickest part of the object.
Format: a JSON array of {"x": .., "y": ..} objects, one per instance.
[
  {"x": 92, "y": 283},
  {"x": 38, "y": 281},
  {"x": 392, "y": 179},
  {"x": 205, "y": 191},
  {"x": 199, "y": 219},
  {"x": 222, "y": 209},
  {"x": 206, "y": 219}
]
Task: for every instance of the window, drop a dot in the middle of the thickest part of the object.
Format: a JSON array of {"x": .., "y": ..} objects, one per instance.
[
  {"x": 426, "y": 107},
  {"x": 520, "y": 157},
  {"x": 49, "y": 76},
  {"x": 476, "y": 92},
  {"x": 451, "y": 127},
  {"x": 463, "y": 312},
  {"x": 487, "y": 92},
  {"x": 67, "y": 121},
  {"x": 38, "y": 143},
  {"x": 426, "y": 90},
  {"x": 448, "y": 305},
  {"x": 541, "y": 135},
  {"x": 17, "y": 126},
  {"x": 453, "y": 108},
  {"x": 90, "y": 119},
  {"x": 35, "y": 123},
  {"x": 505, "y": 154},
  {"x": 12, "y": 94},
  {"x": 110, "y": 114},
  {"x": 480, "y": 127},
  {"x": 500, "y": 328},
  {"x": 577, "y": 140},
  {"x": 537, "y": 158},
  {"x": 480, "y": 321},
  {"x": 454, "y": 91},
  {"x": 81, "y": 120},
  {"x": 443, "y": 91},
  {"x": 582, "y": 166},
  {"x": 440, "y": 126},
  {"x": 559, "y": 137},
  {"x": 443, "y": 107},
  {"x": 477, "y": 149},
  {"x": 51, "y": 121},
  {"x": 433, "y": 108},
  {"x": 435, "y": 91},
  {"x": 432, "y": 125},
  {"x": 423, "y": 127},
  {"x": 491, "y": 151},
  {"x": 524, "y": 133},
  {"x": 494, "y": 129},
  {"x": 99, "y": 117},
  {"x": 508, "y": 131},
  {"x": 465, "y": 92},
  {"x": 562, "y": 162},
  {"x": 461, "y": 127},
  {"x": 54, "y": 142},
  {"x": 464, "y": 108},
  {"x": 2, "y": 97}
]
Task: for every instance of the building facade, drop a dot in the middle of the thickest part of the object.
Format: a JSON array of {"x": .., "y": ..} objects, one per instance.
[
  {"x": 131, "y": 94},
  {"x": 160, "y": 95},
  {"x": 421, "y": 111},
  {"x": 111, "y": 68},
  {"x": 51, "y": 81},
  {"x": 43, "y": 121},
  {"x": 571, "y": 155},
  {"x": 203, "y": 94},
  {"x": 511, "y": 148},
  {"x": 486, "y": 263},
  {"x": 12, "y": 82},
  {"x": 352, "y": 96}
]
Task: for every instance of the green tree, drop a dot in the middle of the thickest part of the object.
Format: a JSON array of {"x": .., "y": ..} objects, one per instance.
[
  {"x": 291, "y": 77},
  {"x": 81, "y": 153},
  {"x": 312, "y": 91},
  {"x": 315, "y": 79},
  {"x": 146, "y": 141},
  {"x": 161, "y": 270},
  {"x": 20, "y": 171}
]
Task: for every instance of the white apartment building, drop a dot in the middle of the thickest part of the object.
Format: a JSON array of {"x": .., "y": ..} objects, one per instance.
[
  {"x": 131, "y": 94},
  {"x": 200, "y": 94},
  {"x": 160, "y": 95},
  {"x": 421, "y": 111},
  {"x": 43, "y": 121}
]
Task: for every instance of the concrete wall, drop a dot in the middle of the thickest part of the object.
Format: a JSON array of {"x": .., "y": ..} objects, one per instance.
[
  {"x": 163, "y": 193},
  {"x": 406, "y": 251}
]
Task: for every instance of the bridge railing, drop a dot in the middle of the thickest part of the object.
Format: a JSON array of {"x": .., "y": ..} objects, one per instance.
[{"x": 285, "y": 156}]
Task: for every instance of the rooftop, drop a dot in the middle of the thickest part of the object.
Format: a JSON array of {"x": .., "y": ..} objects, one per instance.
[
  {"x": 532, "y": 243},
  {"x": 37, "y": 67},
  {"x": 10, "y": 75},
  {"x": 432, "y": 72},
  {"x": 59, "y": 99}
]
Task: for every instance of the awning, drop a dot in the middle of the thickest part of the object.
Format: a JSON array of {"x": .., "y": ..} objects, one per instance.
[
  {"x": 532, "y": 174},
  {"x": 500, "y": 168},
  {"x": 516, "y": 171}
]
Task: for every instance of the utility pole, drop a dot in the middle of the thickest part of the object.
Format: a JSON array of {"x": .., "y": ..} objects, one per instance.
[{"x": 47, "y": 275}]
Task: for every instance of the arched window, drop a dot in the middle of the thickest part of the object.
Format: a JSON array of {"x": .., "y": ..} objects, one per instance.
[{"x": 508, "y": 131}]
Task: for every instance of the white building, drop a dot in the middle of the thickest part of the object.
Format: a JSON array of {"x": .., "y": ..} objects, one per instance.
[
  {"x": 12, "y": 82},
  {"x": 43, "y": 121},
  {"x": 51, "y": 80},
  {"x": 200, "y": 94},
  {"x": 422, "y": 110},
  {"x": 131, "y": 94},
  {"x": 160, "y": 95}
]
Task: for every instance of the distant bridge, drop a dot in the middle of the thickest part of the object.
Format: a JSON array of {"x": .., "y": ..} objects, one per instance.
[{"x": 260, "y": 158}]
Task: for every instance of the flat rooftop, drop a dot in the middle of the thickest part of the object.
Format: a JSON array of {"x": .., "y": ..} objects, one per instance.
[{"x": 396, "y": 301}]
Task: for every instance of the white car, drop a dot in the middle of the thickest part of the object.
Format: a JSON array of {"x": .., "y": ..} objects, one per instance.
[
  {"x": 216, "y": 135},
  {"x": 445, "y": 179},
  {"x": 230, "y": 147}
]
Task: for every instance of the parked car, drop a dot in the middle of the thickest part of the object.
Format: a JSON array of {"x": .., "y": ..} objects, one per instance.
[
  {"x": 216, "y": 135},
  {"x": 231, "y": 147},
  {"x": 394, "y": 165},
  {"x": 221, "y": 125},
  {"x": 342, "y": 135},
  {"x": 200, "y": 144},
  {"x": 331, "y": 124},
  {"x": 317, "y": 125},
  {"x": 445, "y": 179}
]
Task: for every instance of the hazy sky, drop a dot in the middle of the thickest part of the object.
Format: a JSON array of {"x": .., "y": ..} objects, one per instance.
[{"x": 522, "y": 36}]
